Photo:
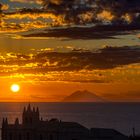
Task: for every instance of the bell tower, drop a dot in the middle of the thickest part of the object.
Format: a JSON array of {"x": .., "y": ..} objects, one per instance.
[{"x": 30, "y": 116}]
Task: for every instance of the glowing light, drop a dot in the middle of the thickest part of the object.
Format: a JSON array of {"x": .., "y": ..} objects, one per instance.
[
  {"x": 15, "y": 88},
  {"x": 106, "y": 16}
]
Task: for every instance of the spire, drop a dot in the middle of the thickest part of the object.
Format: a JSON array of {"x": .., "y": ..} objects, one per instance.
[
  {"x": 6, "y": 121},
  {"x": 133, "y": 133},
  {"x": 33, "y": 109},
  {"x": 17, "y": 121},
  {"x": 30, "y": 115},
  {"x": 29, "y": 108},
  {"x": 3, "y": 122},
  {"x": 24, "y": 110},
  {"x": 37, "y": 110}
]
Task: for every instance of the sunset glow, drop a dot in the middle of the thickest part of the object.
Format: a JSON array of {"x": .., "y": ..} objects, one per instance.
[
  {"x": 15, "y": 88},
  {"x": 67, "y": 59},
  {"x": 45, "y": 43}
]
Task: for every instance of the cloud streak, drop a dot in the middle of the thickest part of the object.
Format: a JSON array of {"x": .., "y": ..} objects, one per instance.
[
  {"x": 110, "y": 64},
  {"x": 98, "y": 32},
  {"x": 106, "y": 58},
  {"x": 27, "y": 1}
]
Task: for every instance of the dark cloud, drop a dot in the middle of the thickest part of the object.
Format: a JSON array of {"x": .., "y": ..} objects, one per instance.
[
  {"x": 75, "y": 8},
  {"x": 0, "y": 7},
  {"x": 106, "y": 58},
  {"x": 98, "y": 32},
  {"x": 103, "y": 59},
  {"x": 109, "y": 64},
  {"x": 75, "y": 12}
]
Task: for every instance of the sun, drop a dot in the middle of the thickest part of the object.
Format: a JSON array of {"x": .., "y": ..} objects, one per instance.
[{"x": 15, "y": 88}]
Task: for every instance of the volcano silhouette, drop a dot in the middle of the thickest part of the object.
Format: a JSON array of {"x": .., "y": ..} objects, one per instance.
[{"x": 83, "y": 96}]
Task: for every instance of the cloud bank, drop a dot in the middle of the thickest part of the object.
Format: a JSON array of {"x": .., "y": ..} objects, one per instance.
[
  {"x": 110, "y": 64},
  {"x": 87, "y": 11},
  {"x": 74, "y": 12}
]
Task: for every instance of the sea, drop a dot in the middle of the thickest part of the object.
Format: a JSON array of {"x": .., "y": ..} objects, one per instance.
[{"x": 120, "y": 116}]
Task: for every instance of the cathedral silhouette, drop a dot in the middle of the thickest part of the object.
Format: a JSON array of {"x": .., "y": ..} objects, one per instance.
[{"x": 35, "y": 128}]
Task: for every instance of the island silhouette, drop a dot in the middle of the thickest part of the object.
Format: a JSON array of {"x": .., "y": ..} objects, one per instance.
[{"x": 83, "y": 96}]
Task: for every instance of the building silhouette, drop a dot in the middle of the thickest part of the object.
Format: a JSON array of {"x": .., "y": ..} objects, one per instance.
[{"x": 35, "y": 128}]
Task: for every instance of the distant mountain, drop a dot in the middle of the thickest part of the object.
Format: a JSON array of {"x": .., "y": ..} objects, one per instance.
[{"x": 83, "y": 96}]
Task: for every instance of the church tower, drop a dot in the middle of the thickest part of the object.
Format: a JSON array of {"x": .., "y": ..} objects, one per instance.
[{"x": 30, "y": 116}]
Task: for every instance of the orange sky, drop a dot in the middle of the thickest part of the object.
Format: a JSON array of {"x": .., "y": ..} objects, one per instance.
[
  {"x": 31, "y": 91},
  {"x": 111, "y": 69}
]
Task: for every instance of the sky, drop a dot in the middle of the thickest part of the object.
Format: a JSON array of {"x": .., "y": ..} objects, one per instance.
[{"x": 52, "y": 48}]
